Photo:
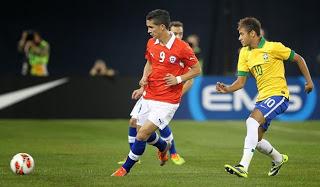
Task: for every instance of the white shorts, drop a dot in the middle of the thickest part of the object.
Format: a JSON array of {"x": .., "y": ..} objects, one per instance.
[
  {"x": 159, "y": 113},
  {"x": 136, "y": 109}
]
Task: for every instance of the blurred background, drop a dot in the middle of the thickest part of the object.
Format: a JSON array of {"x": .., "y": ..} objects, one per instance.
[{"x": 82, "y": 32}]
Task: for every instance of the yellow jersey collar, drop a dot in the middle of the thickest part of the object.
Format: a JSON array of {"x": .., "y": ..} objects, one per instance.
[
  {"x": 262, "y": 42},
  {"x": 260, "y": 45}
]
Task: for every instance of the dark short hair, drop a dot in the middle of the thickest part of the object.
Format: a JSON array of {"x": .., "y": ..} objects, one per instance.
[
  {"x": 175, "y": 24},
  {"x": 250, "y": 24},
  {"x": 159, "y": 17}
]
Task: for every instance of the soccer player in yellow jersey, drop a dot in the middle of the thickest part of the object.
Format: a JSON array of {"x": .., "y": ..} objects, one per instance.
[{"x": 264, "y": 60}]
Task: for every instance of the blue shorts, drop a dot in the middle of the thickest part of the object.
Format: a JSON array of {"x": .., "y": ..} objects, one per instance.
[{"x": 271, "y": 107}]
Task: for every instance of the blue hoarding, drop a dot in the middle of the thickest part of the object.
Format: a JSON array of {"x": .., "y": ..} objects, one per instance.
[{"x": 203, "y": 103}]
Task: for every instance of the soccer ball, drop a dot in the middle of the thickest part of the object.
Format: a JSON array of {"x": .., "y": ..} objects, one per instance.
[{"x": 22, "y": 164}]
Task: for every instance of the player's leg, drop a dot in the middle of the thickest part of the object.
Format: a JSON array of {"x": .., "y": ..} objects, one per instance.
[
  {"x": 167, "y": 135},
  {"x": 278, "y": 159},
  {"x": 266, "y": 148},
  {"x": 139, "y": 112},
  {"x": 279, "y": 105},
  {"x": 161, "y": 116},
  {"x": 264, "y": 112},
  {"x": 132, "y": 133},
  {"x": 162, "y": 145},
  {"x": 252, "y": 123},
  {"x": 138, "y": 108},
  {"x": 145, "y": 134},
  {"x": 154, "y": 116}
]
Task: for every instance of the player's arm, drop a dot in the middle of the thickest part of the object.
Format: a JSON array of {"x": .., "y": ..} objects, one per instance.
[
  {"x": 186, "y": 86},
  {"x": 194, "y": 71},
  {"x": 236, "y": 85},
  {"x": 146, "y": 72},
  {"x": 305, "y": 71},
  {"x": 243, "y": 71}
]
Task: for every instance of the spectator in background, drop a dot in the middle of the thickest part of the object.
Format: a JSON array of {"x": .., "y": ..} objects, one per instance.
[
  {"x": 35, "y": 52},
  {"x": 193, "y": 40},
  {"x": 101, "y": 69}
]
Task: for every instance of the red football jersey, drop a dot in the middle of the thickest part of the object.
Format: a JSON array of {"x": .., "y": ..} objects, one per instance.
[{"x": 172, "y": 58}]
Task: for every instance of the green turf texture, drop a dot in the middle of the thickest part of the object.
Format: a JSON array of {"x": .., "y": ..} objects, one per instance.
[{"x": 86, "y": 152}]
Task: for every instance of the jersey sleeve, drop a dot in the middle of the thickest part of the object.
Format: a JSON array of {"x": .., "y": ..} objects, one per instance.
[
  {"x": 188, "y": 57},
  {"x": 243, "y": 69},
  {"x": 282, "y": 52},
  {"x": 147, "y": 55}
]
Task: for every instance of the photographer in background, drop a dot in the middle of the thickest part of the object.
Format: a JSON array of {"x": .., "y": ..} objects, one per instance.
[
  {"x": 35, "y": 52},
  {"x": 100, "y": 68}
]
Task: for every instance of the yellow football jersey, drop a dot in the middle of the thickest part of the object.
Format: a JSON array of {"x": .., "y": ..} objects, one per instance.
[{"x": 265, "y": 63}]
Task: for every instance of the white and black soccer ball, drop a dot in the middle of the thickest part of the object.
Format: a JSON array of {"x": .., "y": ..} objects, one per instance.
[{"x": 22, "y": 164}]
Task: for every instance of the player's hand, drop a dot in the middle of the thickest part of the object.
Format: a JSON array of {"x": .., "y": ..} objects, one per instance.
[
  {"x": 136, "y": 94},
  {"x": 170, "y": 80},
  {"x": 308, "y": 87},
  {"x": 143, "y": 81},
  {"x": 221, "y": 88}
]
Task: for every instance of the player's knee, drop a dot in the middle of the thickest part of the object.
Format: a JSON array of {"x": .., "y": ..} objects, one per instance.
[
  {"x": 254, "y": 120},
  {"x": 133, "y": 122},
  {"x": 257, "y": 115},
  {"x": 142, "y": 135},
  {"x": 250, "y": 120}
]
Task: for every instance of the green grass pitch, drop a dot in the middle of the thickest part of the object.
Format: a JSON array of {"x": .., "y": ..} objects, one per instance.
[{"x": 85, "y": 153}]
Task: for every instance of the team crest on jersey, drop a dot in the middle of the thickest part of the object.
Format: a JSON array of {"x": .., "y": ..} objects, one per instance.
[
  {"x": 172, "y": 59},
  {"x": 265, "y": 56}
]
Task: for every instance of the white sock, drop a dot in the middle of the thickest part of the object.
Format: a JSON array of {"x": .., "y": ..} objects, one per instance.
[
  {"x": 250, "y": 142},
  {"x": 266, "y": 148}
]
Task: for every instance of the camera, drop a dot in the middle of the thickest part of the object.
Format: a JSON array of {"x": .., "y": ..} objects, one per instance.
[{"x": 30, "y": 35}]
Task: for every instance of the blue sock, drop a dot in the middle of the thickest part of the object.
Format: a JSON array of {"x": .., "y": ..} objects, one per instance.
[
  {"x": 137, "y": 150},
  {"x": 165, "y": 133},
  {"x": 132, "y": 133},
  {"x": 172, "y": 148},
  {"x": 156, "y": 141}
]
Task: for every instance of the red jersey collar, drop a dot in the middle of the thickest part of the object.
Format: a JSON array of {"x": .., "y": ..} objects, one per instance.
[{"x": 170, "y": 42}]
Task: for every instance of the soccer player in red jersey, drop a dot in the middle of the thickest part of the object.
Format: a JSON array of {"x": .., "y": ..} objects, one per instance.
[
  {"x": 176, "y": 27},
  {"x": 164, "y": 72}
]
